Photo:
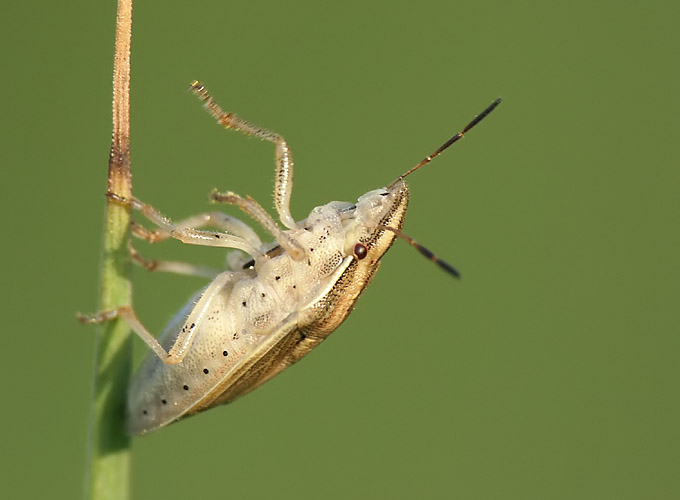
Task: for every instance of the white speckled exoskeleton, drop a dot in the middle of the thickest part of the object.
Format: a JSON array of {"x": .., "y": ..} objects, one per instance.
[{"x": 270, "y": 308}]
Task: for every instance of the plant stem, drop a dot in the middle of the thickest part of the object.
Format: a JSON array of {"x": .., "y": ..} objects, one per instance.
[{"x": 109, "y": 451}]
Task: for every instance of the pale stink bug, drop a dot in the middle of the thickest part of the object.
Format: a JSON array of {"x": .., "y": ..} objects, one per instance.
[{"x": 270, "y": 309}]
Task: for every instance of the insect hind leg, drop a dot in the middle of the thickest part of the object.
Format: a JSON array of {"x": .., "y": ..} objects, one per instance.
[
  {"x": 185, "y": 336},
  {"x": 127, "y": 314}
]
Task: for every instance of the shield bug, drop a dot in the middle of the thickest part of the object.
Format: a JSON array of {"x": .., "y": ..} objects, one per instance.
[{"x": 271, "y": 308}]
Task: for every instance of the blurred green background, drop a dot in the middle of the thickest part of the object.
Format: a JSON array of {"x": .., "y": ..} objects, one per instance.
[{"x": 549, "y": 371}]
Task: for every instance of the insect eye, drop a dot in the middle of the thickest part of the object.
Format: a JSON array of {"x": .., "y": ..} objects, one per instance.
[{"x": 360, "y": 251}]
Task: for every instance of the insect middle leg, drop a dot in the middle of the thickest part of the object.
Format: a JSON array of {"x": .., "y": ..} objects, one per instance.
[
  {"x": 186, "y": 234},
  {"x": 171, "y": 266},
  {"x": 215, "y": 219}
]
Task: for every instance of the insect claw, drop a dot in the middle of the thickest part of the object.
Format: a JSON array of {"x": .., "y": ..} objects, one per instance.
[
  {"x": 85, "y": 319},
  {"x": 128, "y": 202},
  {"x": 100, "y": 317},
  {"x": 148, "y": 264},
  {"x": 117, "y": 198},
  {"x": 143, "y": 233}
]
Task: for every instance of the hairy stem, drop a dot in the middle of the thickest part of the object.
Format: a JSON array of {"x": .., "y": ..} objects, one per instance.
[{"x": 109, "y": 450}]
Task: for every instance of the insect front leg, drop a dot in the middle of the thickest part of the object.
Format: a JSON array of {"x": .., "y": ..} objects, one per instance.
[
  {"x": 283, "y": 181},
  {"x": 255, "y": 210}
]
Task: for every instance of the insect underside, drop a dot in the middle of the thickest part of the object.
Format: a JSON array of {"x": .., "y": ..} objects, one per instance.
[{"x": 267, "y": 311}]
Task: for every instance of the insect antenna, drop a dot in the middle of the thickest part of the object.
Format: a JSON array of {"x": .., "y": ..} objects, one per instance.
[
  {"x": 448, "y": 143},
  {"x": 427, "y": 253}
]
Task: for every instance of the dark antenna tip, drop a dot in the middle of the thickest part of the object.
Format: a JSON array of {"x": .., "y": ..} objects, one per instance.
[
  {"x": 482, "y": 115},
  {"x": 424, "y": 251},
  {"x": 450, "y": 142},
  {"x": 448, "y": 268}
]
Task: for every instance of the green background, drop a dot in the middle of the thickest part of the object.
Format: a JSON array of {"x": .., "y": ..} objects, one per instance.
[{"x": 550, "y": 371}]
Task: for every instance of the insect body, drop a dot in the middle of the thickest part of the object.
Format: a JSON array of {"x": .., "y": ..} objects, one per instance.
[
  {"x": 251, "y": 324},
  {"x": 262, "y": 315}
]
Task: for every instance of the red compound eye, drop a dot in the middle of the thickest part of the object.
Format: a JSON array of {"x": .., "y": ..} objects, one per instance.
[{"x": 360, "y": 251}]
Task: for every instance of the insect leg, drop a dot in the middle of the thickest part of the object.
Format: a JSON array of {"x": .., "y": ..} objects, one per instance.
[
  {"x": 186, "y": 234},
  {"x": 169, "y": 266},
  {"x": 209, "y": 219},
  {"x": 260, "y": 215},
  {"x": 186, "y": 335},
  {"x": 283, "y": 182},
  {"x": 128, "y": 315}
]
